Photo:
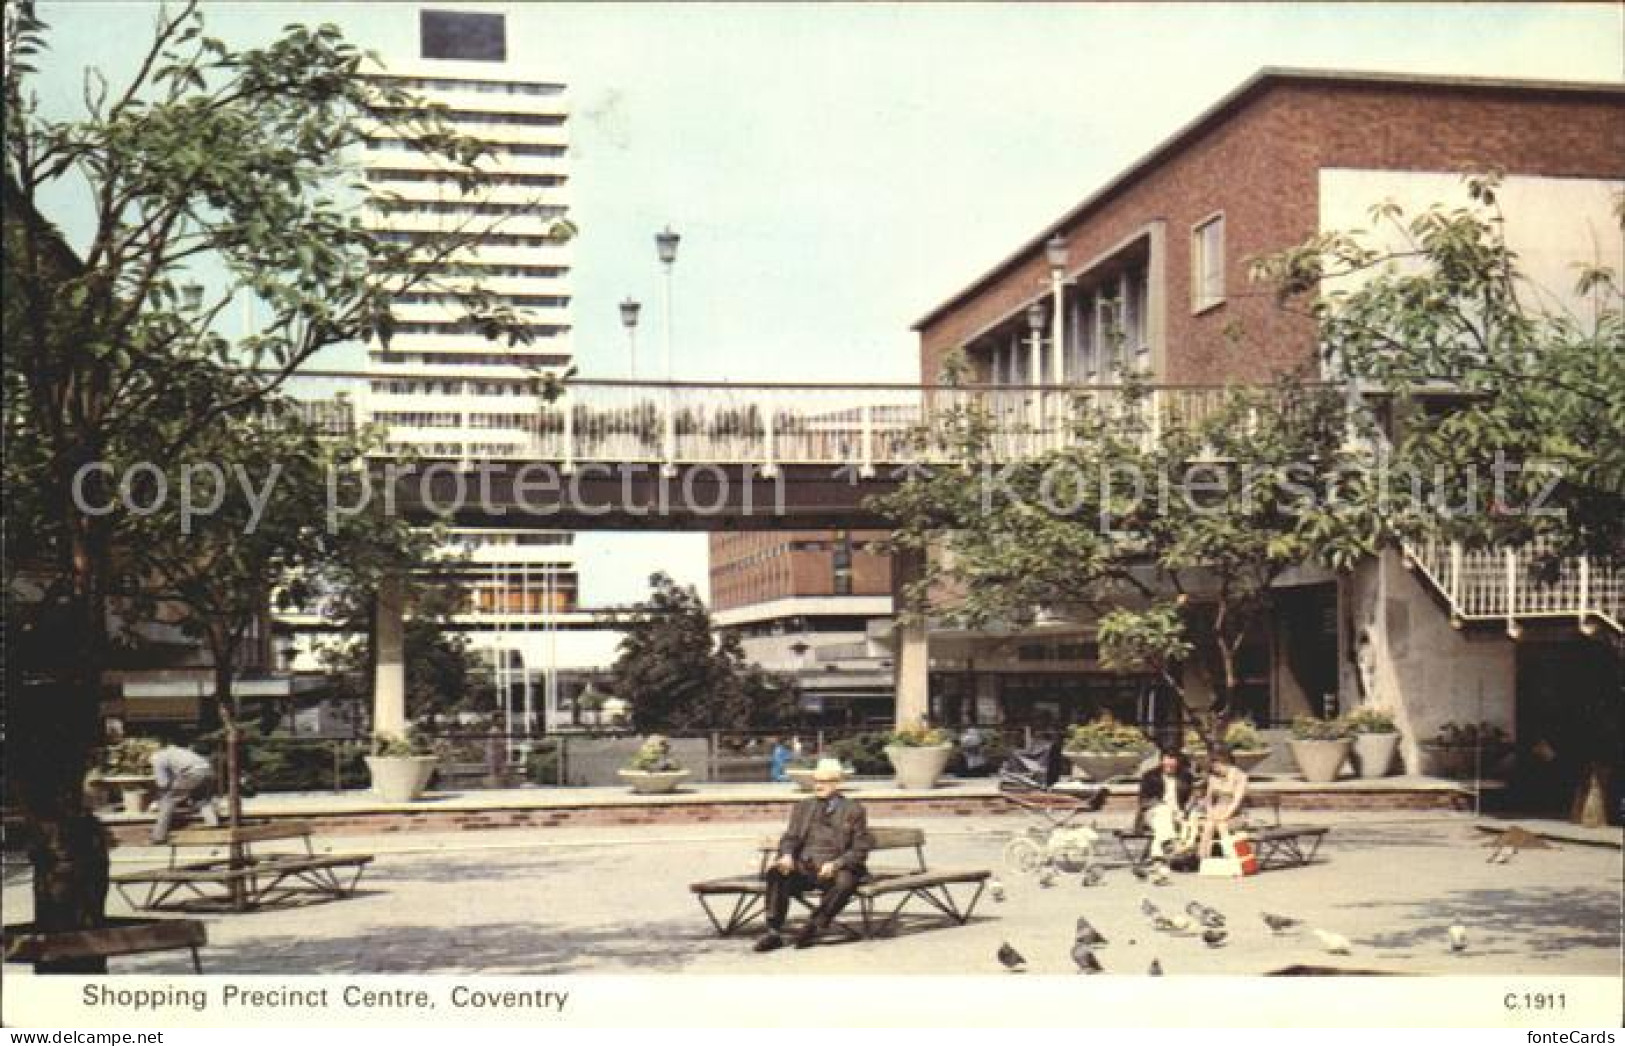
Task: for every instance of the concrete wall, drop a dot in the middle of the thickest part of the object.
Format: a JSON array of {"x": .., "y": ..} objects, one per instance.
[{"x": 1398, "y": 652}]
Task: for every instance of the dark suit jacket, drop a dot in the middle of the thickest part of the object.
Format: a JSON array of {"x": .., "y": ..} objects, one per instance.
[
  {"x": 1151, "y": 787},
  {"x": 848, "y": 824}
]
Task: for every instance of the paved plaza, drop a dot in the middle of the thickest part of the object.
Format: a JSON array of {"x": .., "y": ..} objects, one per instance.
[{"x": 615, "y": 900}]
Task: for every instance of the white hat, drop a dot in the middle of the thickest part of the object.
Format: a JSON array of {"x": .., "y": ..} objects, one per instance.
[{"x": 828, "y": 770}]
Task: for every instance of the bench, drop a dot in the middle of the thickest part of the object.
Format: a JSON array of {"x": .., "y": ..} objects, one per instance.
[
  {"x": 748, "y": 893},
  {"x": 25, "y": 943},
  {"x": 448, "y": 776},
  {"x": 249, "y": 880},
  {"x": 1277, "y": 845}
]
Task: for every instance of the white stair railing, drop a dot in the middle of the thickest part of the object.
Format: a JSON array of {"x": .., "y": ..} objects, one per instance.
[{"x": 1501, "y": 584}]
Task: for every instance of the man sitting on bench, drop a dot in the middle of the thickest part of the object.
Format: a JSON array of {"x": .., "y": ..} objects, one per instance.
[
  {"x": 1165, "y": 793},
  {"x": 826, "y": 846}
]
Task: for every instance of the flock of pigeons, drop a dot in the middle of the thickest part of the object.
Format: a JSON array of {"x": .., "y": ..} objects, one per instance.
[{"x": 1196, "y": 919}]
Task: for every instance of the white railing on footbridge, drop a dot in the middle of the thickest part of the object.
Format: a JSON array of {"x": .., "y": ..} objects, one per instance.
[
  {"x": 1522, "y": 583},
  {"x": 684, "y": 423}
]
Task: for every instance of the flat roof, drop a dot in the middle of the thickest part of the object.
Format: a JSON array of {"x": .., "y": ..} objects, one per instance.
[{"x": 1265, "y": 78}]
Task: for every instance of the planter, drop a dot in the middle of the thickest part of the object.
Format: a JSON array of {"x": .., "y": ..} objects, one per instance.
[
  {"x": 400, "y": 778},
  {"x": 1374, "y": 753},
  {"x": 1246, "y": 761},
  {"x": 918, "y": 766},
  {"x": 653, "y": 782},
  {"x": 1103, "y": 766},
  {"x": 1462, "y": 762},
  {"x": 1320, "y": 761}
]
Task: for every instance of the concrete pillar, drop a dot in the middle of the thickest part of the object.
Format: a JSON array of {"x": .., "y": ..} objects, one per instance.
[
  {"x": 389, "y": 661},
  {"x": 912, "y": 655}
]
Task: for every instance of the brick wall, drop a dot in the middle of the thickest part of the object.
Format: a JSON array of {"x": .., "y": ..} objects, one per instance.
[{"x": 1260, "y": 167}]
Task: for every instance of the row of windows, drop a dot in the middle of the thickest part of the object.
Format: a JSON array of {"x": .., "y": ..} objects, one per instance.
[
  {"x": 396, "y": 174},
  {"x": 537, "y": 330},
  {"x": 476, "y": 271},
  {"x": 440, "y": 83},
  {"x": 476, "y": 359},
  {"x": 403, "y": 145},
  {"x": 486, "y": 239},
  {"x": 430, "y": 387},
  {"x": 453, "y": 450},
  {"x": 486, "y": 210},
  {"x": 540, "y": 301},
  {"x": 473, "y": 541}
]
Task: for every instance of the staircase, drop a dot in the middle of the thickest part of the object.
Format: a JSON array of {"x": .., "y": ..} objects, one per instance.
[{"x": 1501, "y": 585}]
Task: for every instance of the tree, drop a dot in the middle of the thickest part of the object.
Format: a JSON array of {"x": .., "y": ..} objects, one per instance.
[
  {"x": 677, "y": 676},
  {"x": 1168, "y": 518},
  {"x": 1436, "y": 307},
  {"x": 209, "y": 166}
]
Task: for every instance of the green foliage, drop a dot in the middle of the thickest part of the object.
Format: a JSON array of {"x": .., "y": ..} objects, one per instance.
[
  {"x": 279, "y": 764},
  {"x": 1469, "y": 735},
  {"x": 415, "y": 743},
  {"x": 543, "y": 763},
  {"x": 133, "y": 755},
  {"x": 1533, "y": 389},
  {"x": 1370, "y": 720},
  {"x": 654, "y": 756},
  {"x": 1310, "y": 728},
  {"x": 1240, "y": 735},
  {"x": 1106, "y": 734},
  {"x": 678, "y": 677},
  {"x": 921, "y": 737},
  {"x": 865, "y": 753}
]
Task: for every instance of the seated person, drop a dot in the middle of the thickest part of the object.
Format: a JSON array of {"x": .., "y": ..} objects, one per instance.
[
  {"x": 1165, "y": 791},
  {"x": 1226, "y": 791},
  {"x": 826, "y": 846}
]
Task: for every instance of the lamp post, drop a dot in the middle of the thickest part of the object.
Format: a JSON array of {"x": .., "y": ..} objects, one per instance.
[
  {"x": 1035, "y": 355},
  {"x": 629, "y": 320},
  {"x": 1055, "y": 253},
  {"x": 666, "y": 249}
]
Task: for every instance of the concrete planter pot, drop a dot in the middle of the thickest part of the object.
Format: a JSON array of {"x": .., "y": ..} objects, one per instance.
[
  {"x": 918, "y": 767},
  {"x": 1463, "y": 762},
  {"x": 400, "y": 778},
  {"x": 1103, "y": 766},
  {"x": 1320, "y": 761},
  {"x": 1374, "y": 753},
  {"x": 1247, "y": 760},
  {"x": 653, "y": 782}
]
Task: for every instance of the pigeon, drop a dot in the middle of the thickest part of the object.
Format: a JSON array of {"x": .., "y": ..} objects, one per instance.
[
  {"x": 1087, "y": 934},
  {"x": 1093, "y": 876},
  {"x": 1156, "y": 968},
  {"x": 1085, "y": 958},
  {"x": 1281, "y": 923},
  {"x": 1212, "y": 918},
  {"x": 1458, "y": 938},
  {"x": 1159, "y": 874},
  {"x": 1150, "y": 910},
  {"x": 1335, "y": 943},
  {"x": 996, "y": 888},
  {"x": 1178, "y": 924},
  {"x": 1214, "y": 938},
  {"x": 1047, "y": 878},
  {"x": 1011, "y": 958},
  {"x": 1141, "y": 872}
]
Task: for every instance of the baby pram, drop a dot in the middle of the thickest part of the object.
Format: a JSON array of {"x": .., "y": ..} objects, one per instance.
[{"x": 1053, "y": 841}]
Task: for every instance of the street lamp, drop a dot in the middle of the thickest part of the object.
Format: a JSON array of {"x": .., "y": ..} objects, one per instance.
[
  {"x": 1035, "y": 355},
  {"x": 629, "y": 320},
  {"x": 666, "y": 248},
  {"x": 1055, "y": 253}
]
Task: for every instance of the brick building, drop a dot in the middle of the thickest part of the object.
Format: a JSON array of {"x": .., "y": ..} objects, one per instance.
[
  {"x": 810, "y": 604},
  {"x": 1152, "y": 272}
]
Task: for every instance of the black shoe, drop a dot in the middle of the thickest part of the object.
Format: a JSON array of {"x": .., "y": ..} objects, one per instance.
[
  {"x": 768, "y": 942},
  {"x": 809, "y": 935}
]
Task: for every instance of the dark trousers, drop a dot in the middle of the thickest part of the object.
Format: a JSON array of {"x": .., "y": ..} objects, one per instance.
[{"x": 781, "y": 886}]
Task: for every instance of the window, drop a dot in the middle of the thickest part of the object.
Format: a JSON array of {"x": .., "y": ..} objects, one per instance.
[
  {"x": 1207, "y": 264},
  {"x": 462, "y": 35}
]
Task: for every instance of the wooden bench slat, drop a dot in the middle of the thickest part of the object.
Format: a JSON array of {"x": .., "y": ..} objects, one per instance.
[
  {"x": 120, "y": 937},
  {"x": 253, "y": 833},
  {"x": 922, "y": 881}
]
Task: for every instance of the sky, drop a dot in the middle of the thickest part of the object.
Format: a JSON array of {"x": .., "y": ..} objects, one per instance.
[{"x": 836, "y": 171}]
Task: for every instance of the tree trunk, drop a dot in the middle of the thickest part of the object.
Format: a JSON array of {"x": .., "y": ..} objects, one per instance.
[{"x": 56, "y": 724}]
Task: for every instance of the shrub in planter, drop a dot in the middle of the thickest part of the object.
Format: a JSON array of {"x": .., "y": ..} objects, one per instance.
[
  {"x": 1246, "y": 745},
  {"x": 919, "y": 755},
  {"x": 1465, "y": 750},
  {"x": 400, "y": 766},
  {"x": 1320, "y": 746},
  {"x": 865, "y": 753},
  {"x": 1376, "y": 739},
  {"x": 1105, "y": 748},
  {"x": 131, "y": 760},
  {"x": 652, "y": 770}
]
